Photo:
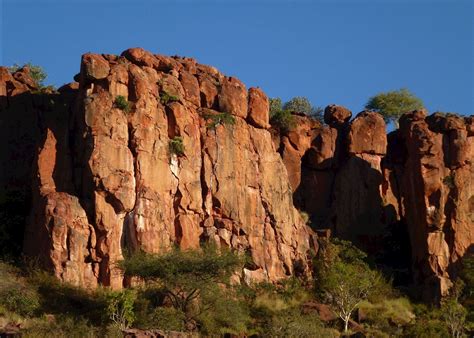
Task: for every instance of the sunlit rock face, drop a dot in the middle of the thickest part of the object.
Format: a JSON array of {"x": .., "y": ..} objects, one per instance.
[
  {"x": 102, "y": 179},
  {"x": 361, "y": 183},
  {"x": 105, "y": 179}
]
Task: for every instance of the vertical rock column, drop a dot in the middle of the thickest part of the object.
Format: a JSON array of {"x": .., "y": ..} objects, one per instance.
[{"x": 437, "y": 191}]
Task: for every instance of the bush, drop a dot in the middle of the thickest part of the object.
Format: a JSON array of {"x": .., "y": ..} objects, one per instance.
[
  {"x": 167, "y": 319},
  {"x": 388, "y": 315},
  {"x": 63, "y": 326},
  {"x": 293, "y": 323},
  {"x": 122, "y": 103},
  {"x": 176, "y": 146},
  {"x": 223, "y": 118},
  {"x": 391, "y": 105},
  {"x": 300, "y": 104},
  {"x": 281, "y": 115},
  {"x": 166, "y": 98},
  {"x": 120, "y": 307},
  {"x": 225, "y": 313},
  {"x": 37, "y": 73},
  {"x": 282, "y": 120},
  {"x": 20, "y": 300}
]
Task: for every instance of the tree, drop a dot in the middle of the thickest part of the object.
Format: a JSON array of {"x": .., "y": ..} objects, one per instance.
[
  {"x": 275, "y": 105},
  {"x": 454, "y": 315},
  {"x": 300, "y": 104},
  {"x": 187, "y": 277},
  {"x": 37, "y": 73},
  {"x": 281, "y": 115},
  {"x": 391, "y": 105},
  {"x": 345, "y": 280},
  {"x": 120, "y": 307}
]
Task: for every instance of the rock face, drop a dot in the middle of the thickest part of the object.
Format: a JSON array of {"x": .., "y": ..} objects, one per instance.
[
  {"x": 353, "y": 179},
  {"x": 437, "y": 193},
  {"x": 102, "y": 177},
  {"x": 106, "y": 179}
]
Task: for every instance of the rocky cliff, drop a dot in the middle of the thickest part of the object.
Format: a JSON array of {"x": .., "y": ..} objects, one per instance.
[
  {"x": 406, "y": 197},
  {"x": 106, "y": 179},
  {"x": 148, "y": 152}
]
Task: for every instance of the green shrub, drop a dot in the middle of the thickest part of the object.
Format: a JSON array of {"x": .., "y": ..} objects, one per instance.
[
  {"x": 167, "y": 319},
  {"x": 300, "y": 104},
  {"x": 281, "y": 115},
  {"x": 60, "y": 327},
  {"x": 20, "y": 300},
  {"x": 283, "y": 120},
  {"x": 388, "y": 315},
  {"x": 225, "y": 315},
  {"x": 185, "y": 276},
  {"x": 216, "y": 119},
  {"x": 122, "y": 103},
  {"x": 427, "y": 328},
  {"x": 166, "y": 98},
  {"x": 275, "y": 105},
  {"x": 37, "y": 73},
  {"x": 293, "y": 323},
  {"x": 176, "y": 146},
  {"x": 120, "y": 307}
]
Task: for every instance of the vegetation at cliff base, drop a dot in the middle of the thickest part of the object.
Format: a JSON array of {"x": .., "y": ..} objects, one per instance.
[
  {"x": 195, "y": 291},
  {"x": 391, "y": 105}
]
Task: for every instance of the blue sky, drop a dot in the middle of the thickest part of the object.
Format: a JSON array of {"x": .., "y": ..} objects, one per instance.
[{"x": 329, "y": 51}]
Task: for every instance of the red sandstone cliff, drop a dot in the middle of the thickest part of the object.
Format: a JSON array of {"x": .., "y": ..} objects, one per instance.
[
  {"x": 104, "y": 180},
  {"x": 350, "y": 181},
  {"x": 109, "y": 182}
]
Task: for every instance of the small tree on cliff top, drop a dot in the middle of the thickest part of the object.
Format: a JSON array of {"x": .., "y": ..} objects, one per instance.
[
  {"x": 391, "y": 105},
  {"x": 37, "y": 73}
]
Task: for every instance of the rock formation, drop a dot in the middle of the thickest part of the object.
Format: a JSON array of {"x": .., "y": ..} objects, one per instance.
[
  {"x": 360, "y": 184},
  {"x": 96, "y": 159},
  {"x": 105, "y": 179}
]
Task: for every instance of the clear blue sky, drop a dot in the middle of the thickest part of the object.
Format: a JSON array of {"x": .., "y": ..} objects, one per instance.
[{"x": 330, "y": 51}]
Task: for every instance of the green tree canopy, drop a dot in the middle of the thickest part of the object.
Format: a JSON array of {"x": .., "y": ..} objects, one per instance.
[
  {"x": 391, "y": 105},
  {"x": 188, "y": 278}
]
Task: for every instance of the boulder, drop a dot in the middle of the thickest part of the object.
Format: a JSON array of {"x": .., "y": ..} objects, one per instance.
[
  {"x": 336, "y": 116},
  {"x": 258, "y": 114}
]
